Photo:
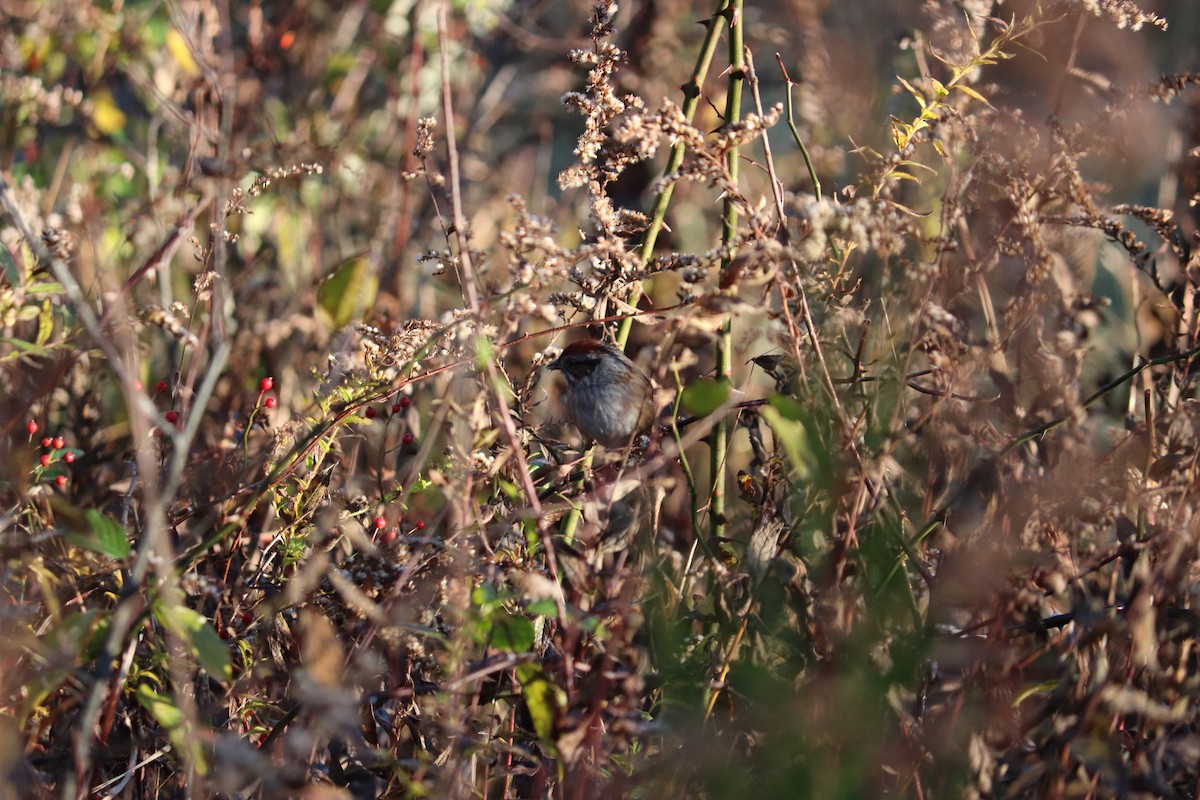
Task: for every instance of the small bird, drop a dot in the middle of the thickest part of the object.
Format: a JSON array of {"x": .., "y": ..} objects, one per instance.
[{"x": 608, "y": 398}]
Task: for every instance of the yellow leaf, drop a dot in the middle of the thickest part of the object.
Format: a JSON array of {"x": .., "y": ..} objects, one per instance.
[
  {"x": 913, "y": 91},
  {"x": 107, "y": 118},
  {"x": 972, "y": 93},
  {"x": 183, "y": 55}
]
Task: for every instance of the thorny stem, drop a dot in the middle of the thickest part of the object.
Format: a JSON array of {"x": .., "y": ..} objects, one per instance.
[
  {"x": 724, "y": 355},
  {"x": 718, "y": 442},
  {"x": 691, "y": 101},
  {"x": 723, "y": 672}
]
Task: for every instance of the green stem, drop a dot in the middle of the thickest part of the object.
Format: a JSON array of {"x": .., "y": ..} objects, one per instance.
[
  {"x": 791, "y": 123},
  {"x": 691, "y": 101},
  {"x": 719, "y": 442}
]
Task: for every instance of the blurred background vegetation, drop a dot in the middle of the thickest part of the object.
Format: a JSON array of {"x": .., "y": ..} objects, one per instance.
[{"x": 264, "y": 533}]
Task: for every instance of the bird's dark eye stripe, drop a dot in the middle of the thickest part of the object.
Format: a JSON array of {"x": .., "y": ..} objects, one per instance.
[{"x": 582, "y": 365}]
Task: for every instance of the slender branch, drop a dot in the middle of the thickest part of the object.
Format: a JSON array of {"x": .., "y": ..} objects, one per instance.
[
  {"x": 469, "y": 280},
  {"x": 791, "y": 123}
]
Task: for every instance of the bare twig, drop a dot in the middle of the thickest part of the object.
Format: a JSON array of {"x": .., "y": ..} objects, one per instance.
[{"x": 497, "y": 386}]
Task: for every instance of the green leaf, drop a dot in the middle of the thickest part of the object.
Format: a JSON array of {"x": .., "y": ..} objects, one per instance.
[
  {"x": 705, "y": 396},
  {"x": 783, "y": 415},
  {"x": 108, "y": 535},
  {"x": 544, "y": 699},
  {"x": 512, "y": 634},
  {"x": 787, "y": 407},
  {"x": 348, "y": 293},
  {"x": 211, "y": 651},
  {"x": 485, "y": 596},
  {"x": 204, "y": 642},
  {"x": 543, "y": 608},
  {"x": 45, "y": 322},
  {"x": 483, "y": 353},
  {"x": 75, "y": 633},
  {"x": 19, "y": 344},
  {"x": 170, "y": 716},
  {"x": 481, "y": 631},
  {"x": 105, "y": 536},
  {"x": 9, "y": 264},
  {"x": 161, "y": 707},
  {"x": 1037, "y": 688}
]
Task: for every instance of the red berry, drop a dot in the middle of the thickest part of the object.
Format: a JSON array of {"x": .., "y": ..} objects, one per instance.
[
  {"x": 247, "y": 617},
  {"x": 58, "y": 443},
  {"x": 405, "y": 402},
  {"x": 380, "y": 523},
  {"x": 224, "y": 633},
  {"x": 391, "y": 535},
  {"x": 172, "y": 416},
  {"x": 69, "y": 457},
  {"x": 370, "y": 412},
  {"x": 407, "y": 438},
  {"x": 32, "y": 427},
  {"x": 395, "y": 408},
  {"x": 46, "y": 441},
  {"x": 61, "y": 480},
  {"x": 266, "y": 384},
  {"x": 161, "y": 386},
  {"x": 270, "y": 402},
  {"x": 45, "y": 460},
  {"x": 419, "y": 524},
  {"x": 137, "y": 385}
]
